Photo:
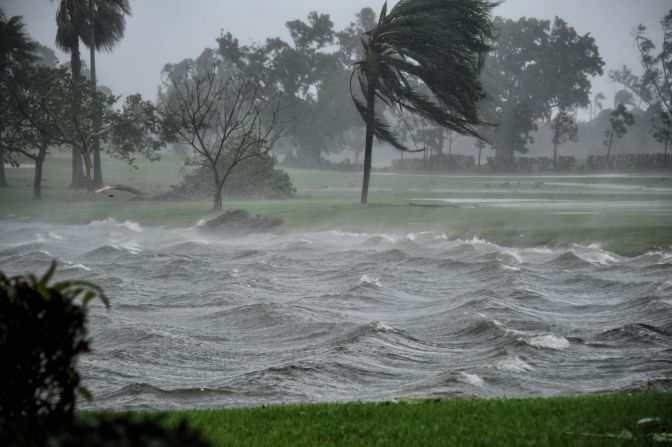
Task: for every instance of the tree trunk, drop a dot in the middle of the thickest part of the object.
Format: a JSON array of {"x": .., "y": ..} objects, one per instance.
[
  {"x": 217, "y": 200},
  {"x": 555, "y": 155},
  {"x": 217, "y": 196},
  {"x": 3, "y": 178},
  {"x": 97, "y": 167},
  {"x": 479, "y": 159},
  {"x": 611, "y": 139},
  {"x": 450, "y": 145},
  {"x": 501, "y": 157},
  {"x": 77, "y": 180},
  {"x": 368, "y": 148},
  {"x": 88, "y": 170},
  {"x": 37, "y": 179}
]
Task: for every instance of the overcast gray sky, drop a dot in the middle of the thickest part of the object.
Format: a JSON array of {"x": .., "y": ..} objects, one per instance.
[{"x": 162, "y": 31}]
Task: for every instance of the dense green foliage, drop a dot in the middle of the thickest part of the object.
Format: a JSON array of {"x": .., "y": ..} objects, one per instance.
[
  {"x": 576, "y": 421},
  {"x": 256, "y": 177}
]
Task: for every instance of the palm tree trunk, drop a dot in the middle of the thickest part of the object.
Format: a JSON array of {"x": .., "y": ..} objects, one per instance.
[
  {"x": 97, "y": 167},
  {"x": 368, "y": 148},
  {"x": 77, "y": 180},
  {"x": 3, "y": 178}
]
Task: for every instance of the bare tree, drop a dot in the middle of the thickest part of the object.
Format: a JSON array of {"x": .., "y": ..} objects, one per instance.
[{"x": 224, "y": 118}]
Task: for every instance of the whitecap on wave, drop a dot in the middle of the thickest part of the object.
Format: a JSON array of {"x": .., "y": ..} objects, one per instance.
[
  {"x": 549, "y": 342},
  {"x": 128, "y": 224},
  {"x": 383, "y": 327},
  {"x": 594, "y": 254},
  {"x": 369, "y": 280},
  {"x": 513, "y": 364},
  {"x": 471, "y": 379},
  {"x": 72, "y": 266},
  {"x": 55, "y": 236}
]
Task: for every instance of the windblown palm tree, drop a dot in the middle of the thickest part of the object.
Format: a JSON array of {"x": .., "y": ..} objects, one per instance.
[
  {"x": 70, "y": 18},
  {"x": 15, "y": 45},
  {"x": 442, "y": 44},
  {"x": 106, "y": 25},
  {"x": 100, "y": 25}
]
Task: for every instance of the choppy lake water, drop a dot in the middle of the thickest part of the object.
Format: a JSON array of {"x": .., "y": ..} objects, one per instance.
[{"x": 199, "y": 321}]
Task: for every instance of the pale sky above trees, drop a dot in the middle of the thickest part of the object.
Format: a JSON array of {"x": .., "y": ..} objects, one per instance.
[{"x": 163, "y": 31}]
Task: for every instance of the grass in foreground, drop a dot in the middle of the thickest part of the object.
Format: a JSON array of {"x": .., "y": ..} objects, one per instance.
[{"x": 586, "y": 420}]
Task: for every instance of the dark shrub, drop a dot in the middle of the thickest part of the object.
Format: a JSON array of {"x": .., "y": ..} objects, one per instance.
[
  {"x": 42, "y": 331},
  {"x": 110, "y": 431},
  {"x": 240, "y": 222}
]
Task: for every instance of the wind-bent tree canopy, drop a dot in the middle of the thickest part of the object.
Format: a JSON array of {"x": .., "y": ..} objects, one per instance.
[
  {"x": 657, "y": 78},
  {"x": 15, "y": 48},
  {"x": 441, "y": 43},
  {"x": 564, "y": 128},
  {"x": 224, "y": 118},
  {"x": 619, "y": 120}
]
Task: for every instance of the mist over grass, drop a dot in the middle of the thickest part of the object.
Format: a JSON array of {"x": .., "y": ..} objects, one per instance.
[{"x": 629, "y": 214}]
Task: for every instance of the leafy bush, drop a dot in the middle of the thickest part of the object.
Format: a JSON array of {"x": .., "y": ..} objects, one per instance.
[
  {"x": 42, "y": 331},
  {"x": 253, "y": 178}
]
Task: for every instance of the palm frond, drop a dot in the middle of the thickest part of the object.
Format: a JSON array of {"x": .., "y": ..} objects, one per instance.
[
  {"x": 381, "y": 130},
  {"x": 109, "y": 24},
  {"x": 428, "y": 58}
]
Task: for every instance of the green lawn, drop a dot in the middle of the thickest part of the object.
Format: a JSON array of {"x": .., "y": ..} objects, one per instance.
[
  {"x": 567, "y": 421},
  {"x": 329, "y": 200}
]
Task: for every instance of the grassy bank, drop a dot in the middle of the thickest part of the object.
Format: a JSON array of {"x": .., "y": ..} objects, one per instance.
[
  {"x": 329, "y": 200},
  {"x": 587, "y": 420}
]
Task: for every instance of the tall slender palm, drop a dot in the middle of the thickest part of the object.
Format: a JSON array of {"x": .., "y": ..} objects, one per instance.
[
  {"x": 441, "y": 43},
  {"x": 70, "y": 18},
  {"x": 15, "y": 47},
  {"x": 106, "y": 24},
  {"x": 99, "y": 24}
]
